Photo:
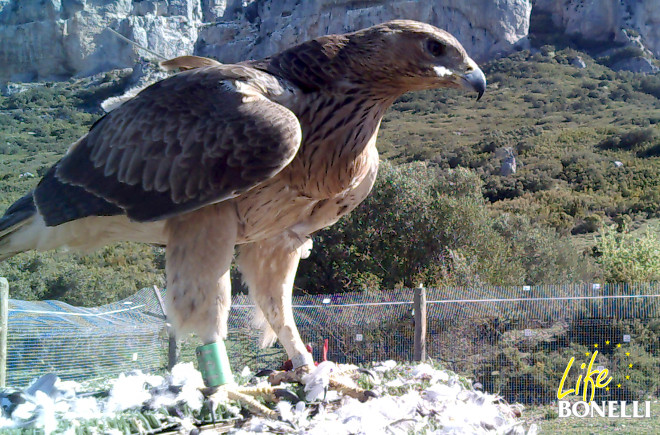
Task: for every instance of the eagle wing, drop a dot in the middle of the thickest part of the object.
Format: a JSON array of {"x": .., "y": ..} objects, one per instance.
[{"x": 199, "y": 137}]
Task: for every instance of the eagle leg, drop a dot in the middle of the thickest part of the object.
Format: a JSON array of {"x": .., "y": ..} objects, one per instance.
[
  {"x": 269, "y": 268},
  {"x": 200, "y": 249},
  {"x": 213, "y": 363}
]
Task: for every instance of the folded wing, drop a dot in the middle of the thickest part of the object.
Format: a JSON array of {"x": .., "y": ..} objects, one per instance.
[{"x": 199, "y": 137}]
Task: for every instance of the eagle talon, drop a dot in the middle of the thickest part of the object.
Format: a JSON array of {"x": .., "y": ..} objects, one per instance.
[
  {"x": 335, "y": 381},
  {"x": 244, "y": 396},
  {"x": 290, "y": 376}
]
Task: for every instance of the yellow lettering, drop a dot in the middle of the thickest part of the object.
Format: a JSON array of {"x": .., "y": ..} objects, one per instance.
[
  {"x": 561, "y": 394},
  {"x": 587, "y": 379},
  {"x": 578, "y": 384},
  {"x": 588, "y": 383},
  {"x": 599, "y": 379}
]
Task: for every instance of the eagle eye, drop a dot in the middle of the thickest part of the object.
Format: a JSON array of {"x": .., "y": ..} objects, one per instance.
[{"x": 435, "y": 47}]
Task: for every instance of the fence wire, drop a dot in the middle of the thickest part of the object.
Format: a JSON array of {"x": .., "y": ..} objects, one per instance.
[
  {"x": 516, "y": 341},
  {"x": 82, "y": 343}
]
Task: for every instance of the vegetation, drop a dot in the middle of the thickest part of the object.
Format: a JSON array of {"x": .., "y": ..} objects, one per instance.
[
  {"x": 567, "y": 127},
  {"x": 627, "y": 258},
  {"x": 113, "y": 273},
  {"x": 521, "y": 351},
  {"x": 587, "y": 145}
]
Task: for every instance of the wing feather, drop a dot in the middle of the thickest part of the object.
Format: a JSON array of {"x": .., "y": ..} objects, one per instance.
[{"x": 182, "y": 143}]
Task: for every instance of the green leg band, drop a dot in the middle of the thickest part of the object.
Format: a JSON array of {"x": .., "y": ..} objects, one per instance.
[{"x": 214, "y": 364}]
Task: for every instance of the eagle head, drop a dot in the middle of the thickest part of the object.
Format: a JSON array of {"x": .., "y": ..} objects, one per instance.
[{"x": 405, "y": 55}]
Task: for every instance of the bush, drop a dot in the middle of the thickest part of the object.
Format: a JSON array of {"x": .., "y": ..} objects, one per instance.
[
  {"x": 113, "y": 273},
  {"x": 415, "y": 215},
  {"x": 423, "y": 225},
  {"x": 627, "y": 258},
  {"x": 629, "y": 141},
  {"x": 627, "y": 52},
  {"x": 649, "y": 84}
]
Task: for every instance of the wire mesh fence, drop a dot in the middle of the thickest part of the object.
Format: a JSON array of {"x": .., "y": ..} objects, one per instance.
[
  {"x": 516, "y": 341},
  {"x": 82, "y": 343}
]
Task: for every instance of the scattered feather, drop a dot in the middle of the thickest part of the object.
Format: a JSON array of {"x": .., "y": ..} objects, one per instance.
[{"x": 414, "y": 398}]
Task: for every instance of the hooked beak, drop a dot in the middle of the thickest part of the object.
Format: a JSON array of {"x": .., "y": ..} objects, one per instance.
[{"x": 475, "y": 80}]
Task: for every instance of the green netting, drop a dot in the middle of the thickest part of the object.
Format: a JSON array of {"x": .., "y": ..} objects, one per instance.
[
  {"x": 514, "y": 340},
  {"x": 82, "y": 343}
]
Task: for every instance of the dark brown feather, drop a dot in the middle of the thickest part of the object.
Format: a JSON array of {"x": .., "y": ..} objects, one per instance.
[{"x": 185, "y": 142}]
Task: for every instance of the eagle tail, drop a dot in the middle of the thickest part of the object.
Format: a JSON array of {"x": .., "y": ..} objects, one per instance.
[{"x": 16, "y": 217}]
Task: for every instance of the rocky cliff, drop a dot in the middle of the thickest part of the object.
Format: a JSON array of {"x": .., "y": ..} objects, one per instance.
[
  {"x": 485, "y": 27},
  {"x": 45, "y": 39},
  {"x": 633, "y": 22},
  {"x": 60, "y": 38}
]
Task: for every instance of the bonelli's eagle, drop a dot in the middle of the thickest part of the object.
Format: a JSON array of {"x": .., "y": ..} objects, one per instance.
[{"x": 252, "y": 157}]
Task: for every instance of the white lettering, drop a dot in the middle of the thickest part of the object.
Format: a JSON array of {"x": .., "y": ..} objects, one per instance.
[
  {"x": 611, "y": 408},
  {"x": 564, "y": 408},
  {"x": 585, "y": 406},
  {"x": 647, "y": 409},
  {"x": 623, "y": 409},
  {"x": 599, "y": 411}
]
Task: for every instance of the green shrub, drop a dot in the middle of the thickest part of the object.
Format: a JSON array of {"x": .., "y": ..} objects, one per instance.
[
  {"x": 627, "y": 258},
  {"x": 627, "y": 52},
  {"x": 649, "y": 84},
  {"x": 631, "y": 140},
  {"x": 424, "y": 225},
  {"x": 113, "y": 273}
]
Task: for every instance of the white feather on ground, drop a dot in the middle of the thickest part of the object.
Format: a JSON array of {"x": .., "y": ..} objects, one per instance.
[{"x": 413, "y": 398}]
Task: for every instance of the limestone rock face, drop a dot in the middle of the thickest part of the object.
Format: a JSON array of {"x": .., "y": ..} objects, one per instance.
[
  {"x": 609, "y": 20},
  {"x": 636, "y": 64},
  {"x": 485, "y": 27},
  {"x": 578, "y": 62},
  {"x": 213, "y": 10},
  {"x": 51, "y": 39},
  {"x": 47, "y": 39}
]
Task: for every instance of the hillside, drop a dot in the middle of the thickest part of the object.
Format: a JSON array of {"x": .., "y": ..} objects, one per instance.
[{"x": 567, "y": 126}]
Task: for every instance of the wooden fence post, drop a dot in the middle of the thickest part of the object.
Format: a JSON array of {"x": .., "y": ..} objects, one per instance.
[
  {"x": 172, "y": 358},
  {"x": 4, "y": 322},
  {"x": 419, "y": 353}
]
